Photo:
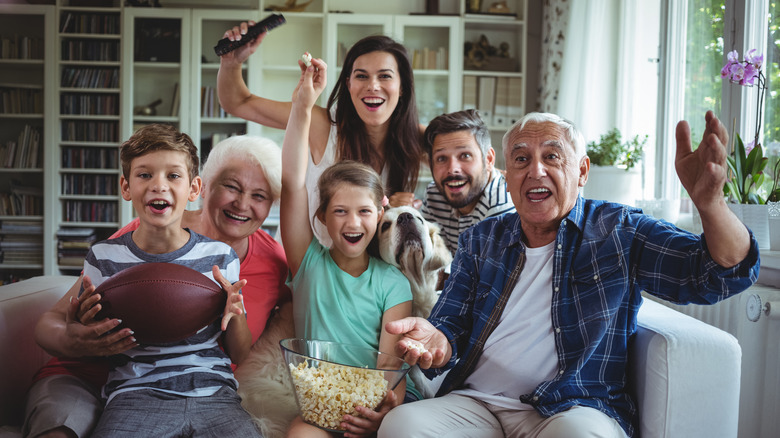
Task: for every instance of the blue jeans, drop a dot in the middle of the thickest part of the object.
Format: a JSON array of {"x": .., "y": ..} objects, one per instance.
[{"x": 147, "y": 413}]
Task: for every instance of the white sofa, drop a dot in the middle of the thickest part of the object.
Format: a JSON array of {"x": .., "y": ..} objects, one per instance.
[{"x": 685, "y": 373}]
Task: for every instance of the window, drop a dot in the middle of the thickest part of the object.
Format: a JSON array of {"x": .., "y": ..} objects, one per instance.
[
  {"x": 695, "y": 36},
  {"x": 703, "y": 61},
  {"x": 771, "y": 126}
]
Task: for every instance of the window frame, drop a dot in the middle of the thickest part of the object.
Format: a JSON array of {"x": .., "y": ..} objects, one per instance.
[{"x": 747, "y": 29}]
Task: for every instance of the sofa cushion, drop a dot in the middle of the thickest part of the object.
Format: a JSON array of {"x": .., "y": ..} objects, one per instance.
[
  {"x": 21, "y": 304},
  {"x": 686, "y": 375}
]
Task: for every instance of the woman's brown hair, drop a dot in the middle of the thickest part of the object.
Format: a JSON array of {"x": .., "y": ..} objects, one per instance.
[{"x": 403, "y": 146}]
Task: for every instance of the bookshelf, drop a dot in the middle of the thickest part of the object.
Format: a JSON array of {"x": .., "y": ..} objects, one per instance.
[
  {"x": 26, "y": 42},
  {"x": 89, "y": 120},
  {"x": 210, "y": 123}
]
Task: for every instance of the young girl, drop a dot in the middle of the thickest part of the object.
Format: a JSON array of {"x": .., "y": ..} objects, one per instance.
[{"x": 339, "y": 294}]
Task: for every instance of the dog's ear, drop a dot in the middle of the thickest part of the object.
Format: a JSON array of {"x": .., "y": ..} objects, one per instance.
[{"x": 441, "y": 256}]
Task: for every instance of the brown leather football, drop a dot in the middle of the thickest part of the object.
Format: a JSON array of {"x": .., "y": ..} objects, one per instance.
[{"x": 161, "y": 302}]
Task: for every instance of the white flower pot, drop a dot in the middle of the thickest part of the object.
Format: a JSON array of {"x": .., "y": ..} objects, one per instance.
[
  {"x": 756, "y": 218},
  {"x": 773, "y": 209},
  {"x": 614, "y": 184}
]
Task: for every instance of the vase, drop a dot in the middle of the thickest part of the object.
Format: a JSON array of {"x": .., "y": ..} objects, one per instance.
[
  {"x": 614, "y": 184},
  {"x": 773, "y": 210},
  {"x": 756, "y": 218}
]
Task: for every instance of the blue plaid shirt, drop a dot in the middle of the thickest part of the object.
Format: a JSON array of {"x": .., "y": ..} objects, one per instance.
[{"x": 605, "y": 256}]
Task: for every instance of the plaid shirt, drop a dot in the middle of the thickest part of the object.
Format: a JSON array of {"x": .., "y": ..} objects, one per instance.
[{"x": 606, "y": 255}]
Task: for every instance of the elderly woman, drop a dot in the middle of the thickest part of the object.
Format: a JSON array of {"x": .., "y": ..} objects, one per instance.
[{"x": 241, "y": 181}]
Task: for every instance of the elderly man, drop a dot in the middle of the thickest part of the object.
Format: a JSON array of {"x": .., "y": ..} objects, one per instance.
[
  {"x": 535, "y": 319},
  {"x": 465, "y": 187}
]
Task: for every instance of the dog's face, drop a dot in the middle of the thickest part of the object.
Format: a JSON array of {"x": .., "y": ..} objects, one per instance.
[{"x": 413, "y": 245}]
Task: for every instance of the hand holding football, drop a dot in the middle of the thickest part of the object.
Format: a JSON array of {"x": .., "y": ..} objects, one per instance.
[{"x": 161, "y": 302}]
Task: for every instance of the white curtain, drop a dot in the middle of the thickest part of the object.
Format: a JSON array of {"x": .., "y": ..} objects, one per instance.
[{"x": 588, "y": 92}]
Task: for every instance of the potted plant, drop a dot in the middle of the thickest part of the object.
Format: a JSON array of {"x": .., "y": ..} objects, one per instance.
[
  {"x": 747, "y": 161},
  {"x": 611, "y": 150},
  {"x": 614, "y": 175}
]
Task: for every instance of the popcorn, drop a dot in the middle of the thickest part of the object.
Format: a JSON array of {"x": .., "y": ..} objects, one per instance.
[
  {"x": 306, "y": 57},
  {"x": 328, "y": 392},
  {"x": 411, "y": 345}
]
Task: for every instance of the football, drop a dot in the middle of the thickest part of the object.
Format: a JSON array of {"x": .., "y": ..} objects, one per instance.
[{"x": 161, "y": 302}]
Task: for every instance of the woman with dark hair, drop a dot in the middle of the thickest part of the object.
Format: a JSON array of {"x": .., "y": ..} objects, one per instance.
[{"x": 371, "y": 115}]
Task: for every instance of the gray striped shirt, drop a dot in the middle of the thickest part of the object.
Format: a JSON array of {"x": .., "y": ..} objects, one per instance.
[{"x": 194, "y": 367}]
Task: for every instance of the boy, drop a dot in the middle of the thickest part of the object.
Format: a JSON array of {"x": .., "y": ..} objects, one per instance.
[{"x": 183, "y": 388}]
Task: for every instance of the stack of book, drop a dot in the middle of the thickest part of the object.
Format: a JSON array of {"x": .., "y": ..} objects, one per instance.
[
  {"x": 73, "y": 245},
  {"x": 430, "y": 59},
  {"x": 21, "y": 200},
  {"x": 24, "y": 152},
  {"x": 498, "y": 99},
  {"x": 20, "y": 242},
  {"x": 209, "y": 103}
]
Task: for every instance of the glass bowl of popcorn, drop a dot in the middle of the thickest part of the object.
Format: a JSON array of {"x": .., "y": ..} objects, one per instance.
[{"x": 331, "y": 379}]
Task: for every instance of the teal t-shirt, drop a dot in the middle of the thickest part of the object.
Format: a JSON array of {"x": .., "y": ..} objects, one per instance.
[{"x": 332, "y": 305}]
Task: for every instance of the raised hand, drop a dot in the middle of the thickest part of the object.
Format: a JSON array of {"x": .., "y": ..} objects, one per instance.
[
  {"x": 241, "y": 54},
  {"x": 311, "y": 84},
  {"x": 703, "y": 172}
]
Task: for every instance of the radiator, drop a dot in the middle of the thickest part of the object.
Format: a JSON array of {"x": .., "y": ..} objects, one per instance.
[{"x": 759, "y": 402}]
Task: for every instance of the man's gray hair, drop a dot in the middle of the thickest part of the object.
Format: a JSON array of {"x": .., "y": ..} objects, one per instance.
[
  {"x": 570, "y": 132},
  {"x": 259, "y": 151}
]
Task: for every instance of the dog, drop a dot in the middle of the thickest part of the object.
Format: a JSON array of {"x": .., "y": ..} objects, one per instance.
[
  {"x": 405, "y": 240},
  {"x": 413, "y": 245}
]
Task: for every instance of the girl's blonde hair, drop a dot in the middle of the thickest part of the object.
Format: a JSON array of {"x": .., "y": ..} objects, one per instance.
[
  {"x": 259, "y": 151},
  {"x": 350, "y": 172}
]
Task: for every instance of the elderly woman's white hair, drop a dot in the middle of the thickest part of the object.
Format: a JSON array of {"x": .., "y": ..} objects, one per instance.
[
  {"x": 261, "y": 151},
  {"x": 570, "y": 132}
]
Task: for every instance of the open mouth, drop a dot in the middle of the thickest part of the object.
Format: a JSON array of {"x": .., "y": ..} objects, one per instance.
[
  {"x": 352, "y": 237},
  {"x": 373, "y": 102},
  {"x": 234, "y": 216},
  {"x": 159, "y": 206},
  {"x": 456, "y": 184},
  {"x": 539, "y": 194}
]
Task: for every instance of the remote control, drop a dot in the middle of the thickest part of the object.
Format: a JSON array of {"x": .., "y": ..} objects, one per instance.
[{"x": 226, "y": 46}]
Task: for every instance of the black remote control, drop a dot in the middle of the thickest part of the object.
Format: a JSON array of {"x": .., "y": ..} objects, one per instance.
[{"x": 226, "y": 46}]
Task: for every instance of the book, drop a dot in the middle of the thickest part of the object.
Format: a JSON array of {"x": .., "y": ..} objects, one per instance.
[
  {"x": 469, "y": 92},
  {"x": 486, "y": 99},
  {"x": 515, "y": 102},
  {"x": 175, "y": 101},
  {"x": 501, "y": 116}
]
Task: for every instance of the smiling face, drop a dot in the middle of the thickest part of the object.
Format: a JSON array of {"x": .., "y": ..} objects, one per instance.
[
  {"x": 459, "y": 170},
  {"x": 237, "y": 200},
  {"x": 159, "y": 186},
  {"x": 543, "y": 177},
  {"x": 375, "y": 87},
  {"x": 351, "y": 218}
]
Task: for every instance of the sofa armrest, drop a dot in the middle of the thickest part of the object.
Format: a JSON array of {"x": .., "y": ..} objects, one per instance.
[
  {"x": 685, "y": 374},
  {"x": 21, "y": 304}
]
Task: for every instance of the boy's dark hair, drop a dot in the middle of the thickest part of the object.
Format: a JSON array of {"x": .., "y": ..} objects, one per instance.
[
  {"x": 349, "y": 172},
  {"x": 158, "y": 137},
  {"x": 466, "y": 120},
  {"x": 403, "y": 151}
]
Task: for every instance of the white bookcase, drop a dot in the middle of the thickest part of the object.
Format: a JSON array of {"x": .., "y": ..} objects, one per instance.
[
  {"x": 168, "y": 53},
  {"x": 27, "y": 41}
]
